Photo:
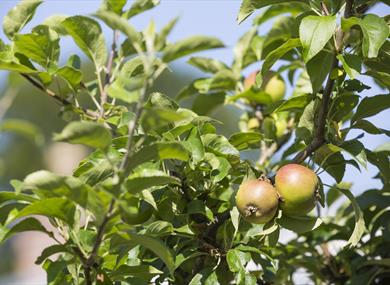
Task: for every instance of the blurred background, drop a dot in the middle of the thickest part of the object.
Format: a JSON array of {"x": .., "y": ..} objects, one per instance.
[{"x": 23, "y": 107}]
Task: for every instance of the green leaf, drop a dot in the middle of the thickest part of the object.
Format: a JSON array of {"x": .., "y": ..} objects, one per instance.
[
  {"x": 87, "y": 133},
  {"x": 87, "y": 34},
  {"x": 199, "y": 207},
  {"x": 242, "y": 141},
  {"x": 220, "y": 166},
  {"x": 204, "y": 104},
  {"x": 299, "y": 224},
  {"x": 292, "y": 7},
  {"x": 241, "y": 49},
  {"x": 156, "y": 246},
  {"x": 295, "y": 103},
  {"x": 125, "y": 89},
  {"x": 235, "y": 217},
  {"x": 375, "y": 32},
  {"x": 12, "y": 196},
  {"x": 71, "y": 75},
  {"x": 356, "y": 149},
  {"x": 114, "y": 5},
  {"x": 23, "y": 128},
  {"x": 16, "y": 67},
  {"x": 46, "y": 185},
  {"x": 249, "y": 6},
  {"x": 207, "y": 64},
  {"x": 221, "y": 81},
  {"x": 138, "y": 271},
  {"x": 158, "y": 151},
  {"x": 220, "y": 146},
  {"x": 233, "y": 258},
  {"x": 38, "y": 47},
  {"x": 28, "y": 224},
  {"x": 165, "y": 31},
  {"x": 342, "y": 106},
  {"x": 190, "y": 45},
  {"x": 148, "y": 178},
  {"x": 60, "y": 208},
  {"x": 306, "y": 122},
  {"x": 194, "y": 145},
  {"x": 49, "y": 251},
  {"x": 318, "y": 69},
  {"x": 371, "y": 106},
  {"x": 276, "y": 54},
  {"x": 19, "y": 16},
  {"x": 116, "y": 22},
  {"x": 314, "y": 33},
  {"x": 159, "y": 228},
  {"x": 54, "y": 22},
  {"x": 140, "y": 6},
  {"x": 352, "y": 64},
  {"x": 359, "y": 219},
  {"x": 369, "y": 128},
  {"x": 333, "y": 195}
]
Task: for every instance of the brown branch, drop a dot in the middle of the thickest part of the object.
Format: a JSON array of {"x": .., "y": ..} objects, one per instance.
[
  {"x": 319, "y": 135},
  {"x": 325, "y": 10},
  {"x": 348, "y": 12},
  {"x": 99, "y": 237},
  {"x": 101, "y": 229},
  {"x": 56, "y": 97},
  {"x": 49, "y": 92}
]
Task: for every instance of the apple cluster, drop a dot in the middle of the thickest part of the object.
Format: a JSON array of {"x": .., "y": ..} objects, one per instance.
[{"x": 294, "y": 192}]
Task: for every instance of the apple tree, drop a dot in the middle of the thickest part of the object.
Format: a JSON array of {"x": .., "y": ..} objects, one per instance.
[{"x": 164, "y": 198}]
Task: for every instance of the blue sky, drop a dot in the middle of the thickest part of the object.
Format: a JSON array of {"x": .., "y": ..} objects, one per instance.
[{"x": 205, "y": 17}]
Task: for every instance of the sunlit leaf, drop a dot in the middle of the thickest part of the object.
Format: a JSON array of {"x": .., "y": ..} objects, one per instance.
[{"x": 88, "y": 133}]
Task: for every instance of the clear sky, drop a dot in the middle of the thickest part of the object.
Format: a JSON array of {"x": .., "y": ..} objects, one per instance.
[{"x": 205, "y": 17}]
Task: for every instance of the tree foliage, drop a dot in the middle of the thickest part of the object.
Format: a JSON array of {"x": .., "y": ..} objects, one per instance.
[{"x": 154, "y": 202}]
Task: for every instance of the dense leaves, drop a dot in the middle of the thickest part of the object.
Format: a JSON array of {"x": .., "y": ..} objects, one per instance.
[{"x": 155, "y": 200}]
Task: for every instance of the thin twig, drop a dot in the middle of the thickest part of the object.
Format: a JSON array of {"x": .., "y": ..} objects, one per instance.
[
  {"x": 132, "y": 127},
  {"x": 99, "y": 236},
  {"x": 266, "y": 152},
  {"x": 56, "y": 97},
  {"x": 107, "y": 80},
  {"x": 324, "y": 9}
]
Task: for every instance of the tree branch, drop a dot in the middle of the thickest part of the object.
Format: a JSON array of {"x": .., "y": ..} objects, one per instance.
[
  {"x": 348, "y": 12},
  {"x": 319, "y": 135},
  {"x": 56, "y": 97},
  {"x": 101, "y": 229},
  {"x": 99, "y": 237}
]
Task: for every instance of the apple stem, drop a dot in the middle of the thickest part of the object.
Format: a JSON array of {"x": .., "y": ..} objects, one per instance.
[{"x": 264, "y": 178}]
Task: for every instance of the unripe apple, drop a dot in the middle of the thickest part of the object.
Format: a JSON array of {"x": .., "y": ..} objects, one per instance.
[
  {"x": 296, "y": 185},
  {"x": 273, "y": 84},
  {"x": 281, "y": 123},
  {"x": 253, "y": 124},
  {"x": 257, "y": 201}
]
